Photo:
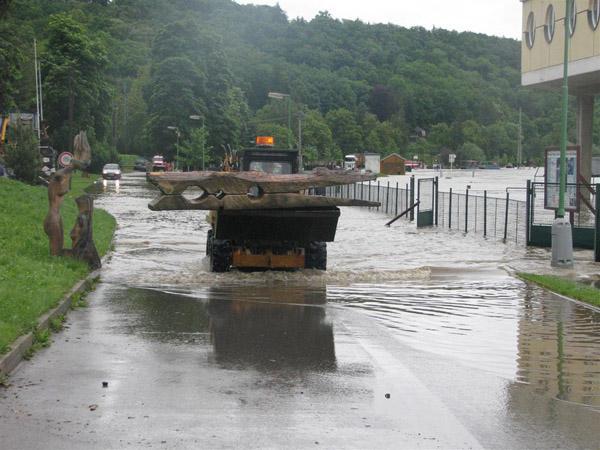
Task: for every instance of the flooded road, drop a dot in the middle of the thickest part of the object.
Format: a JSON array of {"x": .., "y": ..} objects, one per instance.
[{"x": 412, "y": 339}]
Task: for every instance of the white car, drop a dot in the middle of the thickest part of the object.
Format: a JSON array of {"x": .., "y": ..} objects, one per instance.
[{"x": 111, "y": 172}]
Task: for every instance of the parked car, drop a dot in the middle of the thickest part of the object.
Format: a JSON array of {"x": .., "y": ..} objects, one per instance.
[
  {"x": 141, "y": 165},
  {"x": 111, "y": 172}
]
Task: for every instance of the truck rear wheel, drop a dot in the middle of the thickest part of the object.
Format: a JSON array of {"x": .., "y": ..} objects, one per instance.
[
  {"x": 220, "y": 255},
  {"x": 315, "y": 255}
]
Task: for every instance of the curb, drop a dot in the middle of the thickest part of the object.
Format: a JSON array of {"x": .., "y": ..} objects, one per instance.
[
  {"x": 13, "y": 358},
  {"x": 594, "y": 308}
]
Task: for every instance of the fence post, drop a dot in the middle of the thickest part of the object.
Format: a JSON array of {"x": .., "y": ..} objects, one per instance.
[
  {"x": 362, "y": 185},
  {"x": 467, "y": 211},
  {"x": 436, "y": 192},
  {"x": 354, "y": 191},
  {"x": 527, "y": 213},
  {"x": 369, "y": 190},
  {"x": 406, "y": 205},
  {"x": 485, "y": 213},
  {"x": 506, "y": 216},
  {"x": 412, "y": 197},
  {"x": 450, "y": 211},
  {"x": 387, "y": 197},
  {"x": 597, "y": 240},
  {"x": 396, "y": 213},
  {"x": 378, "y": 195}
]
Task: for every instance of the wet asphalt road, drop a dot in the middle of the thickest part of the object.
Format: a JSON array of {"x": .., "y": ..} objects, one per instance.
[{"x": 410, "y": 340}]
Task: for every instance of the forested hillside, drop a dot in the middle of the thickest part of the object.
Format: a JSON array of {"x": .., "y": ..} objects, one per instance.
[{"x": 128, "y": 69}]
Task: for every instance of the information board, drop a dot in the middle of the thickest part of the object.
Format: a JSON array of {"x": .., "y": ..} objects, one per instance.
[{"x": 552, "y": 178}]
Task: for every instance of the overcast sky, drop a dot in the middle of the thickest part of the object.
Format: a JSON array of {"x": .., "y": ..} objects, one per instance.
[{"x": 495, "y": 17}]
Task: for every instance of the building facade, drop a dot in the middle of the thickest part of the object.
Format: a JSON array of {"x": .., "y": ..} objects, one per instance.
[{"x": 542, "y": 58}]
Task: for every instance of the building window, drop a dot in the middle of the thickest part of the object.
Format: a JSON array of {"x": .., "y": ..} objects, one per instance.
[
  {"x": 530, "y": 31},
  {"x": 550, "y": 24},
  {"x": 594, "y": 14},
  {"x": 573, "y": 18}
]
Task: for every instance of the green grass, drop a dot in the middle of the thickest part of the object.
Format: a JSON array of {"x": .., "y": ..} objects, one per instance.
[
  {"x": 569, "y": 288},
  {"x": 31, "y": 281}
]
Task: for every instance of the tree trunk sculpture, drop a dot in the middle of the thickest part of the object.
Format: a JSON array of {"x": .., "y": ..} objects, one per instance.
[
  {"x": 83, "y": 246},
  {"x": 53, "y": 224}
]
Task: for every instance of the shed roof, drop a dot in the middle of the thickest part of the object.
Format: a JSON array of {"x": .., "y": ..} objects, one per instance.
[{"x": 395, "y": 155}]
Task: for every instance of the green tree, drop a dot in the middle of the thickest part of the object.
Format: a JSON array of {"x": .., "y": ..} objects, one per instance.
[
  {"x": 346, "y": 132},
  {"x": 174, "y": 94},
  {"x": 469, "y": 151},
  {"x": 193, "y": 152},
  {"x": 317, "y": 135},
  {"x": 23, "y": 154},
  {"x": 75, "y": 87}
]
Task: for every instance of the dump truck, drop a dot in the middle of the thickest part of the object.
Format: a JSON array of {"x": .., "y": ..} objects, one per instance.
[{"x": 261, "y": 216}]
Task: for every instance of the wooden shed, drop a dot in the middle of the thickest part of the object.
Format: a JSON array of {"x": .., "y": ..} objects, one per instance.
[{"x": 393, "y": 165}]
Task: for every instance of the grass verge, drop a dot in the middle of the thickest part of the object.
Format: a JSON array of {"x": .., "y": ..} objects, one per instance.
[
  {"x": 31, "y": 281},
  {"x": 568, "y": 288}
]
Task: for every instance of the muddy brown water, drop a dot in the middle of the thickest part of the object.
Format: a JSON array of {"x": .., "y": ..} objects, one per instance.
[{"x": 470, "y": 356}]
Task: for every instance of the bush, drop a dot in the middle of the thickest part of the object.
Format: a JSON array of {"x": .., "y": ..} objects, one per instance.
[
  {"x": 23, "y": 155},
  {"x": 102, "y": 153}
]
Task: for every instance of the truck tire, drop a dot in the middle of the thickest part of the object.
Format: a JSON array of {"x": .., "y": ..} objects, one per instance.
[
  {"x": 315, "y": 255},
  {"x": 220, "y": 255},
  {"x": 209, "y": 239}
]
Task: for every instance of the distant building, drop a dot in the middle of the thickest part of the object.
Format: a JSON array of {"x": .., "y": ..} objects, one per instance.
[
  {"x": 373, "y": 162},
  {"x": 543, "y": 54},
  {"x": 393, "y": 165}
]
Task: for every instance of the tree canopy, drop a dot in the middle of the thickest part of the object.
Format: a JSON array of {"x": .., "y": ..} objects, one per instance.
[{"x": 127, "y": 70}]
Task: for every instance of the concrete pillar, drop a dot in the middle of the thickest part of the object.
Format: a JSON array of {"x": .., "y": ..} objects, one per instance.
[{"x": 585, "y": 129}]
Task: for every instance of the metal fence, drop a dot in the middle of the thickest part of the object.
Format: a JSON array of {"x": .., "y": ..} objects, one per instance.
[{"x": 501, "y": 218}]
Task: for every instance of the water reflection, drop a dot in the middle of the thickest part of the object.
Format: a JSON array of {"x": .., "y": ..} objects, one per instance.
[
  {"x": 559, "y": 348},
  {"x": 266, "y": 327},
  {"x": 269, "y": 334}
]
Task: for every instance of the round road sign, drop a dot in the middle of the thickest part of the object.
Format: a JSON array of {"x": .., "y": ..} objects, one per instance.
[{"x": 64, "y": 159}]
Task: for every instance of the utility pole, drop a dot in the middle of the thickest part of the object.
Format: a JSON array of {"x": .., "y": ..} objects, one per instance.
[
  {"x": 562, "y": 237},
  {"x": 520, "y": 142},
  {"x": 37, "y": 88},
  {"x": 300, "y": 163}
]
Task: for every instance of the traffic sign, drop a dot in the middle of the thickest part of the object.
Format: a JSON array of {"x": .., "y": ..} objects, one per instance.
[
  {"x": 64, "y": 159},
  {"x": 451, "y": 157}
]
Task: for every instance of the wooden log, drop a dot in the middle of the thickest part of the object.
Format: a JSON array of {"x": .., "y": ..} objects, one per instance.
[
  {"x": 266, "y": 201},
  {"x": 241, "y": 182}
]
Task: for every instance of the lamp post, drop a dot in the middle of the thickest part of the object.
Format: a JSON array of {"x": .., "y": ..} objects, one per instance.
[
  {"x": 562, "y": 237},
  {"x": 280, "y": 96},
  {"x": 178, "y": 134},
  {"x": 300, "y": 162},
  {"x": 197, "y": 117}
]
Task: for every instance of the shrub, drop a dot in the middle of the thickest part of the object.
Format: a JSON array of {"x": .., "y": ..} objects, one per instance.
[
  {"x": 23, "y": 155},
  {"x": 102, "y": 153}
]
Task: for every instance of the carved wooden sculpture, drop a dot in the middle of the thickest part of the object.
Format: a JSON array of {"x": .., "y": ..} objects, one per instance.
[
  {"x": 53, "y": 224},
  {"x": 83, "y": 246},
  {"x": 59, "y": 185}
]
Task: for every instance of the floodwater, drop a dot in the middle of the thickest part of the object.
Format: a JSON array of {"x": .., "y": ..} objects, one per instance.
[
  {"x": 411, "y": 339},
  {"x": 495, "y": 181}
]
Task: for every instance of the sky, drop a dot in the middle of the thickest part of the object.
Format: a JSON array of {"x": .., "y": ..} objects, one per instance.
[{"x": 494, "y": 17}]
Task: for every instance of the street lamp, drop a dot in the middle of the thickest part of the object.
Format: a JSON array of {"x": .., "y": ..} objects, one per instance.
[
  {"x": 197, "y": 117},
  {"x": 562, "y": 237},
  {"x": 280, "y": 96},
  {"x": 178, "y": 134}
]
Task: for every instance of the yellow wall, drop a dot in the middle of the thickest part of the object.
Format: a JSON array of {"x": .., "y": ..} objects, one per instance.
[{"x": 585, "y": 42}]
